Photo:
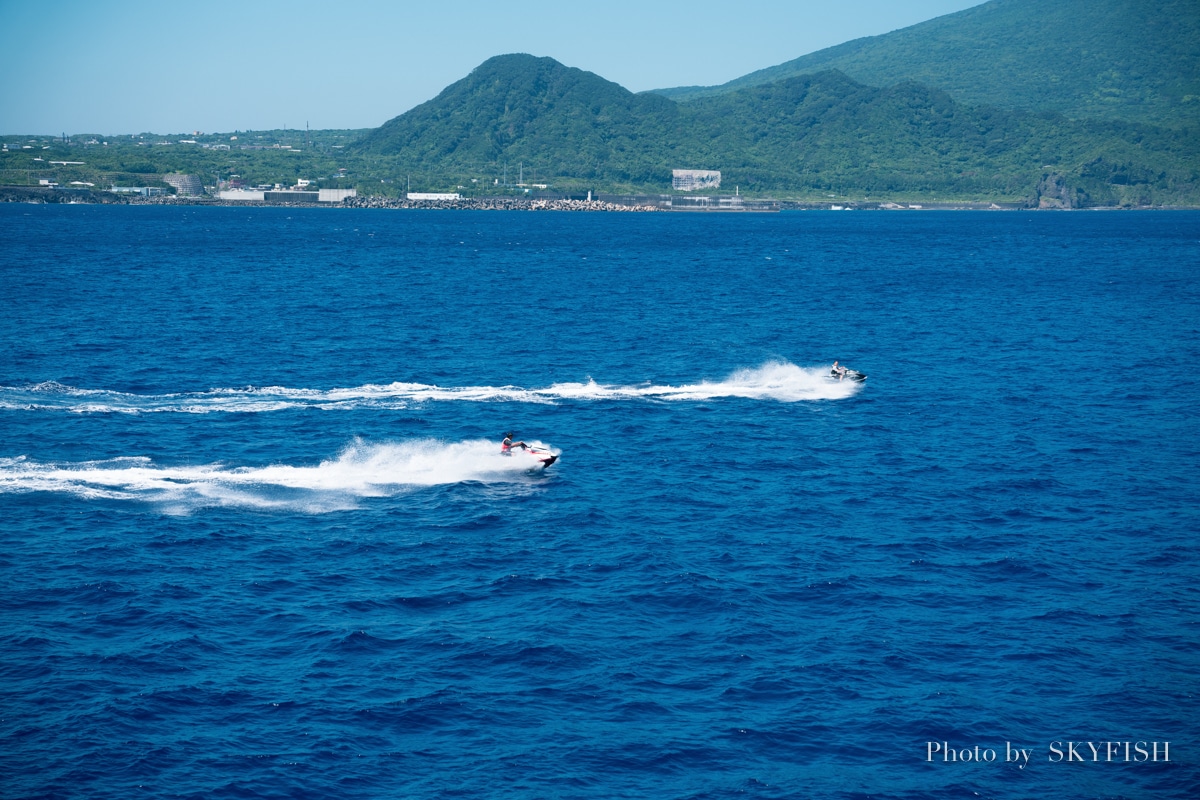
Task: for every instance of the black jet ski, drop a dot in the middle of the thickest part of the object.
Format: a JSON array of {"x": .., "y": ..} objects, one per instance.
[
  {"x": 850, "y": 375},
  {"x": 541, "y": 454}
]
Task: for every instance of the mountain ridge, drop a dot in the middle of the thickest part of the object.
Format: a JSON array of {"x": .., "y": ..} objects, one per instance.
[
  {"x": 807, "y": 134},
  {"x": 1111, "y": 59},
  {"x": 516, "y": 105}
]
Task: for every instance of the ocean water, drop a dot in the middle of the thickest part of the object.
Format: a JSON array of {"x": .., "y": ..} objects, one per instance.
[{"x": 257, "y": 539}]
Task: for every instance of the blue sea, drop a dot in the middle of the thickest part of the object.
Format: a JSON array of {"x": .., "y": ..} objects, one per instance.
[{"x": 258, "y": 540}]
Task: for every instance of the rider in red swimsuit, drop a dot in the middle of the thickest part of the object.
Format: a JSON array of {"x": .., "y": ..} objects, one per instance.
[{"x": 508, "y": 444}]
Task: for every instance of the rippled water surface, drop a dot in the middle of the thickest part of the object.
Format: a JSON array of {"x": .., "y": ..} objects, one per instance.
[{"x": 258, "y": 539}]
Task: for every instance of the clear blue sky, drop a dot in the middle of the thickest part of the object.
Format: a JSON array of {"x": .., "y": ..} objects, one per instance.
[{"x": 132, "y": 66}]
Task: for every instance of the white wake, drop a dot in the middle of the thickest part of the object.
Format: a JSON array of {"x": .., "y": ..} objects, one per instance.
[
  {"x": 359, "y": 471},
  {"x": 779, "y": 381}
]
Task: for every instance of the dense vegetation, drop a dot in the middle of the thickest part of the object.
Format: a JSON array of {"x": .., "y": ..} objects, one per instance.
[
  {"x": 536, "y": 114},
  {"x": 803, "y": 136},
  {"x": 254, "y": 157},
  {"x": 1110, "y": 59}
]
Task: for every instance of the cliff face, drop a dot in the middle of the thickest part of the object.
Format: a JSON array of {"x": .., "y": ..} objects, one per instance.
[{"x": 1053, "y": 192}]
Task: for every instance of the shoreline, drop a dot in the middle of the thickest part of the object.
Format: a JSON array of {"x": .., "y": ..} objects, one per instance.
[{"x": 37, "y": 195}]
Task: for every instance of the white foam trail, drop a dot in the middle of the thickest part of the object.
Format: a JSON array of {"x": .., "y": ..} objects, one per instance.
[
  {"x": 779, "y": 381},
  {"x": 360, "y": 471}
]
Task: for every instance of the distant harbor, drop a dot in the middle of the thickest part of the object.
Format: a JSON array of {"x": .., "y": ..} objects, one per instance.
[{"x": 530, "y": 202}]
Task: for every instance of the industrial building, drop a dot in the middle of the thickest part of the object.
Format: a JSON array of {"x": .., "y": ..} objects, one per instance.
[
  {"x": 144, "y": 191},
  {"x": 688, "y": 180},
  {"x": 287, "y": 195},
  {"x": 184, "y": 185}
]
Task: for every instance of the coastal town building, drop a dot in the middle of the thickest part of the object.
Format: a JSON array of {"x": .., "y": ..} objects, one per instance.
[
  {"x": 144, "y": 191},
  {"x": 291, "y": 196},
  {"x": 282, "y": 195},
  {"x": 241, "y": 195}
]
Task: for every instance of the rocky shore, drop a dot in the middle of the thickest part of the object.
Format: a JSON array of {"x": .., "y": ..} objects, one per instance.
[
  {"x": 1049, "y": 196},
  {"x": 41, "y": 194},
  {"x": 496, "y": 204}
]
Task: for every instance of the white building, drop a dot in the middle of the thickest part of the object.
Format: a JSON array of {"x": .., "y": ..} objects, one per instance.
[
  {"x": 336, "y": 195},
  {"x": 241, "y": 194},
  {"x": 283, "y": 195}
]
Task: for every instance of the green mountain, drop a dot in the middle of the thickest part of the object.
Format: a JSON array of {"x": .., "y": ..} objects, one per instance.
[
  {"x": 518, "y": 109},
  {"x": 1114, "y": 59},
  {"x": 805, "y": 136}
]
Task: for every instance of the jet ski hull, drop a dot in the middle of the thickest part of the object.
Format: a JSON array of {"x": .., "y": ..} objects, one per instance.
[
  {"x": 540, "y": 457},
  {"x": 851, "y": 375}
]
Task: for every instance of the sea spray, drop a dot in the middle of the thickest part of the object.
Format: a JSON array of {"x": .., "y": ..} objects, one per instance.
[
  {"x": 778, "y": 381},
  {"x": 361, "y": 470}
]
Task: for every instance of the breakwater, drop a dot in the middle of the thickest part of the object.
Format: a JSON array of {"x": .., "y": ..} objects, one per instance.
[
  {"x": 40, "y": 194},
  {"x": 499, "y": 204},
  {"x": 45, "y": 194}
]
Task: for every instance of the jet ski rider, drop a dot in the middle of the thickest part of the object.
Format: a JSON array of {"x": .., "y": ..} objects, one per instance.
[
  {"x": 839, "y": 371},
  {"x": 508, "y": 444}
]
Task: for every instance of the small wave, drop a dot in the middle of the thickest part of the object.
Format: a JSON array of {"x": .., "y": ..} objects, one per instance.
[
  {"x": 779, "y": 381},
  {"x": 360, "y": 471}
]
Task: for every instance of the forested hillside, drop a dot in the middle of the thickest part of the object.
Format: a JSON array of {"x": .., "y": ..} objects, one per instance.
[
  {"x": 804, "y": 135},
  {"x": 1129, "y": 60},
  {"x": 517, "y": 108}
]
